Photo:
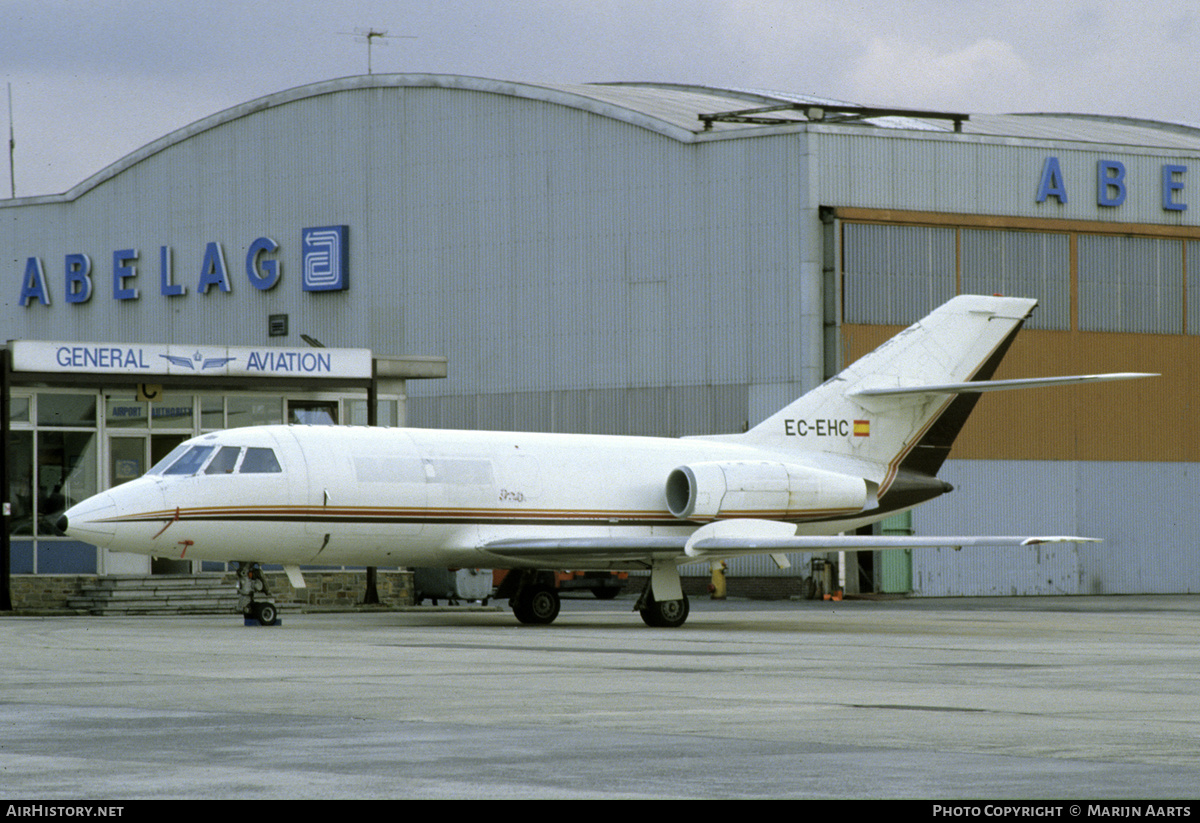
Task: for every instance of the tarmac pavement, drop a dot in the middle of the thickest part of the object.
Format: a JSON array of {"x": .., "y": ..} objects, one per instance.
[{"x": 1069, "y": 697}]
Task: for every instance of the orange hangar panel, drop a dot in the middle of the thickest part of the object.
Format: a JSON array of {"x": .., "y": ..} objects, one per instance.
[{"x": 1140, "y": 420}]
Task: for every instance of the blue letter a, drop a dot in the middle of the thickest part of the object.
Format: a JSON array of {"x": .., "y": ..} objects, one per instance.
[{"x": 1051, "y": 184}]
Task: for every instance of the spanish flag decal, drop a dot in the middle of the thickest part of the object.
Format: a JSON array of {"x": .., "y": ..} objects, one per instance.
[{"x": 862, "y": 428}]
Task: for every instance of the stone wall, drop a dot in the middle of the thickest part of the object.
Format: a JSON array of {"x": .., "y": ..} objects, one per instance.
[
  {"x": 334, "y": 589},
  {"x": 46, "y": 592},
  {"x": 34, "y": 593}
]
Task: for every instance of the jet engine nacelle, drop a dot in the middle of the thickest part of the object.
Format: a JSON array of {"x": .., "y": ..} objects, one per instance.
[{"x": 761, "y": 489}]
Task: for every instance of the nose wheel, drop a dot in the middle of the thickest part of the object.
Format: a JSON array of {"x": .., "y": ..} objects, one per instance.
[
  {"x": 254, "y": 600},
  {"x": 264, "y": 613}
]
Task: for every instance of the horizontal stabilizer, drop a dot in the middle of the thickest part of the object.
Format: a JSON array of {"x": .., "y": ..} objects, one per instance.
[{"x": 979, "y": 386}]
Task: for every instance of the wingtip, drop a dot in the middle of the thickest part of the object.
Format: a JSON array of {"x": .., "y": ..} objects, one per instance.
[{"x": 1035, "y": 541}]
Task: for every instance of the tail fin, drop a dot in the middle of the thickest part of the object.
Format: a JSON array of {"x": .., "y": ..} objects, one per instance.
[{"x": 912, "y": 427}]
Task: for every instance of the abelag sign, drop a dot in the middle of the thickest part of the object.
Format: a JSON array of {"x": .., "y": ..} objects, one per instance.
[{"x": 324, "y": 256}]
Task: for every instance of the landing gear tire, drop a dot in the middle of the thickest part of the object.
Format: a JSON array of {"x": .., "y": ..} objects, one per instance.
[
  {"x": 666, "y": 614},
  {"x": 537, "y": 605},
  {"x": 264, "y": 613}
]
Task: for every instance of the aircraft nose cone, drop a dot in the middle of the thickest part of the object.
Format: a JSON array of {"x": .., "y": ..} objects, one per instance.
[{"x": 87, "y": 521}]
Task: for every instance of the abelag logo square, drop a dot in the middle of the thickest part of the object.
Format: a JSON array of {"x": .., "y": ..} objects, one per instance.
[{"x": 325, "y": 253}]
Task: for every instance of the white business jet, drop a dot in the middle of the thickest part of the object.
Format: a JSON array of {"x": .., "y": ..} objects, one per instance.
[{"x": 863, "y": 445}]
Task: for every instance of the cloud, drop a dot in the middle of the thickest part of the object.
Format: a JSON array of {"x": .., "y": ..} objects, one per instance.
[
  {"x": 907, "y": 74},
  {"x": 94, "y": 80}
]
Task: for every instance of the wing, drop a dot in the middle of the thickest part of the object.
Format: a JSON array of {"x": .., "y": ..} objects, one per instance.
[
  {"x": 589, "y": 552},
  {"x": 731, "y": 538}
]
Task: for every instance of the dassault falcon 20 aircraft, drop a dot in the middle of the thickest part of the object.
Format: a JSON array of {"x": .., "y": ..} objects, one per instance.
[{"x": 864, "y": 444}]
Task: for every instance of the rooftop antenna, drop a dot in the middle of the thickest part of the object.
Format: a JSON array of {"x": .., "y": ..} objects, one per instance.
[
  {"x": 370, "y": 35},
  {"x": 12, "y": 148}
]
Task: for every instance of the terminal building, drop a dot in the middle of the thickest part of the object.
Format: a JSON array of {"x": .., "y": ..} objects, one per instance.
[{"x": 628, "y": 258}]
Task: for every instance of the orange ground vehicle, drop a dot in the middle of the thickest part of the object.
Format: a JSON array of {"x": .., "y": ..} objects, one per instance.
[{"x": 604, "y": 585}]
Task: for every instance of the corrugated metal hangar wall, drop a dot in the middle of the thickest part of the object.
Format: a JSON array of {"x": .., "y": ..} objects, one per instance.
[{"x": 598, "y": 258}]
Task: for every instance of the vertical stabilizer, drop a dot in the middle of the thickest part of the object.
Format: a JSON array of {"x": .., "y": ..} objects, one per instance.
[{"x": 961, "y": 341}]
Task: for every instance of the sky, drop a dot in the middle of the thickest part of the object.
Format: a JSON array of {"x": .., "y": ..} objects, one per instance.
[{"x": 93, "y": 80}]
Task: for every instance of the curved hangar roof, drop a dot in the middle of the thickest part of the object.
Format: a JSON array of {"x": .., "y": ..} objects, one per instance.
[{"x": 696, "y": 113}]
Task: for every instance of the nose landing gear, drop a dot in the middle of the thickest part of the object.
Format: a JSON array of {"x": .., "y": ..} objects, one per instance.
[{"x": 254, "y": 600}]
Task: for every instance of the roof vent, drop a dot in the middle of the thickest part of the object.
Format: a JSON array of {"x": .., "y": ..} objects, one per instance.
[{"x": 827, "y": 113}]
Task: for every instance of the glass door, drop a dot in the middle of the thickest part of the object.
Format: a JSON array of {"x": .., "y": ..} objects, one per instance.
[{"x": 126, "y": 458}]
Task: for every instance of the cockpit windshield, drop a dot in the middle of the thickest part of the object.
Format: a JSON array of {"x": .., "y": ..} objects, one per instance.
[
  {"x": 171, "y": 457},
  {"x": 188, "y": 460},
  {"x": 191, "y": 461}
]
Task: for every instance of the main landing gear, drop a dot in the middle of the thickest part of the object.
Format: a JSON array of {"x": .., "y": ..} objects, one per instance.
[
  {"x": 662, "y": 614},
  {"x": 532, "y": 595},
  {"x": 663, "y": 605},
  {"x": 254, "y": 601}
]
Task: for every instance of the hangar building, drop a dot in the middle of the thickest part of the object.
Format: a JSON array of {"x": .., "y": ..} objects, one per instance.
[{"x": 619, "y": 258}]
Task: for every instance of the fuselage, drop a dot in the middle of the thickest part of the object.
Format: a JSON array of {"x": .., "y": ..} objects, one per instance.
[{"x": 412, "y": 497}]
